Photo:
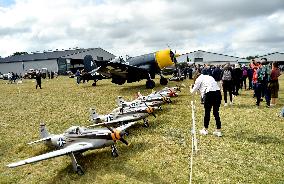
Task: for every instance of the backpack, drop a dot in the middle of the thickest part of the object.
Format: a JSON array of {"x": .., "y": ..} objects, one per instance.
[
  {"x": 282, "y": 113},
  {"x": 227, "y": 75},
  {"x": 245, "y": 72}
]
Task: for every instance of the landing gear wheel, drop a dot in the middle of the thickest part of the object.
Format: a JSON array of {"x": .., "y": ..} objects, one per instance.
[
  {"x": 79, "y": 170},
  {"x": 114, "y": 151},
  {"x": 146, "y": 123},
  {"x": 163, "y": 81},
  {"x": 150, "y": 84},
  {"x": 127, "y": 133}
]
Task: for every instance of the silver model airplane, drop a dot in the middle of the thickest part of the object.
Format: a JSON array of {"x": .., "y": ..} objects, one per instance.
[
  {"x": 168, "y": 92},
  {"x": 140, "y": 102},
  {"x": 77, "y": 140},
  {"x": 154, "y": 97},
  {"x": 123, "y": 115}
]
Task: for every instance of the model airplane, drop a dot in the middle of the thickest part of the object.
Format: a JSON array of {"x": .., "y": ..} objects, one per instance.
[
  {"x": 123, "y": 115},
  {"x": 77, "y": 140},
  {"x": 139, "y": 67},
  {"x": 169, "y": 92}
]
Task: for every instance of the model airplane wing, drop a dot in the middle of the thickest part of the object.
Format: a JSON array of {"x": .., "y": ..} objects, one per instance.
[
  {"x": 124, "y": 127},
  {"x": 81, "y": 146},
  {"x": 124, "y": 71}
]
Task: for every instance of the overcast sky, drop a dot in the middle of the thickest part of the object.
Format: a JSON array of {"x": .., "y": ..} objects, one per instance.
[{"x": 234, "y": 27}]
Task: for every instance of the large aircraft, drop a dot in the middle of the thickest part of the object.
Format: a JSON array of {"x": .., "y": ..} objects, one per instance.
[
  {"x": 76, "y": 140},
  {"x": 137, "y": 68}
]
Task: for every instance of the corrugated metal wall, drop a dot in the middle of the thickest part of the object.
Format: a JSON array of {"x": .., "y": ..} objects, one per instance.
[{"x": 17, "y": 67}]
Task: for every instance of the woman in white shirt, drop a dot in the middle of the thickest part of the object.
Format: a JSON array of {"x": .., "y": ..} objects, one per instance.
[{"x": 211, "y": 93}]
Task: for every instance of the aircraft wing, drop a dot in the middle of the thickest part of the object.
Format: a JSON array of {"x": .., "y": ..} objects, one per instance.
[
  {"x": 124, "y": 71},
  {"x": 125, "y": 119},
  {"x": 125, "y": 126},
  {"x": 80, "y": 146}
]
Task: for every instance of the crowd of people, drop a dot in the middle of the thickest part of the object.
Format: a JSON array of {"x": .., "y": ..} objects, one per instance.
[
  {"x": 209, "y": 80},
  {"x": 259, "y": 76}
]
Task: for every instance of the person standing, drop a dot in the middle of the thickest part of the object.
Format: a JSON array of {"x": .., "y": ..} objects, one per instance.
[
  {"x": 237, "y": 79},
  {"x": 210, "y": 92},
  {"x": 38, "y": 79},
  {"x": 250, "y": 75},
  {"x": 244, "y": 77},
  {"x": 227, "y": 83},
  {"x": 216, "y": 74},
  {"x": 263, "y": 76},
  {"x": 274, "y": 84},
  {"x": 78, "y": 76}
]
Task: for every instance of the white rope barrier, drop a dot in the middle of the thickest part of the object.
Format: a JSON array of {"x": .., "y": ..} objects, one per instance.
[{"x": 193, "y": 141}]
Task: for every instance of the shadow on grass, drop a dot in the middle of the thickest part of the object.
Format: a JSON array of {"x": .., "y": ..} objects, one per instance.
[
  {"x": 103, "y": 162},
  {"x": 260, "y": 139}
]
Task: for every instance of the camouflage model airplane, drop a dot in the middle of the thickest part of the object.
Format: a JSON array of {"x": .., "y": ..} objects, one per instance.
[
  {"x": 77, "y": 140},
  {"x": 140, "y": 67}
]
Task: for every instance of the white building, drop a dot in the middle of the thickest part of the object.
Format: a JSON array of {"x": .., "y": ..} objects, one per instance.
[
  {"x": 275, "y": 56},
  {"x": 203, "y": 57}
]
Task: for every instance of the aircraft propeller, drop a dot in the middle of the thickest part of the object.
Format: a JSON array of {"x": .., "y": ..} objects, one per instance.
[
  {"x": 150, "y": 110},
  {"x": 116, "y": 134}
]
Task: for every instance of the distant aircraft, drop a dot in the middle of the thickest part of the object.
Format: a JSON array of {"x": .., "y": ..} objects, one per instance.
[
  {"x": 90, "y": 70},
  {"x": 138, "y": 68},
  {"x": 76, "y": 140}
]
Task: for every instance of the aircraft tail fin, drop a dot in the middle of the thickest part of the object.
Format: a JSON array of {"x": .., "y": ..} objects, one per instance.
[
  {"x": 120, "y": 101},
  {"x": 93, "y": 114},
  {"x": 89, "y": 63},
  {"x": 43, "y": 131}
]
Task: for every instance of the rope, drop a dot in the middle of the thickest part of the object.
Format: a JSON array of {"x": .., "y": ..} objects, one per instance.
[{"x": 193, "y": 140}]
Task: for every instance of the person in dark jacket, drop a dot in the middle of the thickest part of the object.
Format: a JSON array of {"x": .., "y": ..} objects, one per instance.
[
  {"x": 237, "y": 78},
  {"x": 250, "y": 74},
  {"x": 38, "y": 79},
  {"x": 216, "y": 74},
  {"x": 227, "y": 83}
]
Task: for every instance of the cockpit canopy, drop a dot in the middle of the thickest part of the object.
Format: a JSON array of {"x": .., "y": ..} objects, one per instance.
[
  {"x": 117, "y": 60},
  {"x": 74, "y": 130}
]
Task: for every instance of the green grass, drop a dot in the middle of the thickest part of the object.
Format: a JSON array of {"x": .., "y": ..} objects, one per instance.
[{"x": 251, "y": 150}]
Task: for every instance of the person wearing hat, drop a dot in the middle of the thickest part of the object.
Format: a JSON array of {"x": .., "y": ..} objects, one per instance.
[{"x": 210, "y": 92}]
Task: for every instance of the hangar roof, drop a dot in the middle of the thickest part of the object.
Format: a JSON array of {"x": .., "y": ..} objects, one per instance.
[{"x": 47, "y": 55}]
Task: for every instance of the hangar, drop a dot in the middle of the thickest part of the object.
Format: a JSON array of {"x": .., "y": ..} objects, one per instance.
[
  {"x": 275, "y": 56},
  {"x": 58, "y": 61},
  {"x": 204, "y": 57}
]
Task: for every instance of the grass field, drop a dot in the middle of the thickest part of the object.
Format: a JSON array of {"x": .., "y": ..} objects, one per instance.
[{"x": 250, "y": 151}]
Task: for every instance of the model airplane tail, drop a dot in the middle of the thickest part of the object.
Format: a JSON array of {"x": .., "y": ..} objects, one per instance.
[
  {"x": 120, "y": 101},
  {"x": 43, "y": 131},
  {"x": 93, "y": 114}
]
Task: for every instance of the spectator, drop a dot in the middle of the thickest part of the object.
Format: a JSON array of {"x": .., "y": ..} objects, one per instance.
[
  {"x": 237, "y": 79},
  {"x": 250, "y": 74},
  {"x": 244, "y": 77},
  {"x": 78, "y": 76},
  {"x": 216, "y": 74},
  {"x": 10, "y": 77},
  {"x": 262, "y": 84},
  {"x": 274, "y": 84},
  {"x": 211, "y": 94},
  {"x": 38, "y": 79},
  {"x": 227, "y": 83}
]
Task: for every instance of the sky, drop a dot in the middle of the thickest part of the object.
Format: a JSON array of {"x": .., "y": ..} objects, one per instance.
[{"x": 134, "y": 27}]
